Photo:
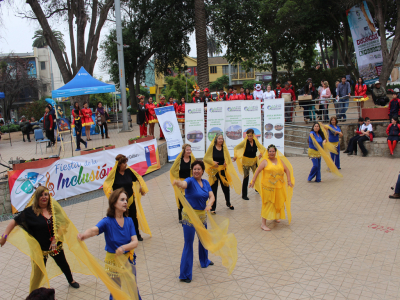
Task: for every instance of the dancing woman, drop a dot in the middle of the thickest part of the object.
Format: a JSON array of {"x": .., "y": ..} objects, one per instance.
[
  {"x": 245, "y": 155},
  {"x": 119, "y": 234},
  {"x": 334, "y": 133},
  {"x": 180, "y": 170},
  {"x": 275, "y": 188},
  {"x": 219, "y": 167},
  {"x": 87, "y": 120},
  {"x": 123, "y": 176},
  {"x": 151, "y": 115}
]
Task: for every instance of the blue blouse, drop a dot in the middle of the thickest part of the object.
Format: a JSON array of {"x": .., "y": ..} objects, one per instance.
[
  {"x": 196, "y": 195},
  {"x": 332, "y": 137},
  {"x": 318, "y": 138},
  {"x": 115, "y": 235}
]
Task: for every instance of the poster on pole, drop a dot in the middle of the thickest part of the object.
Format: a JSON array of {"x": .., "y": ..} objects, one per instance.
[
  {"x": 233, "y": 124},
  {"x": 274, "y": 123},
  {"x": 215, "y": 120},
  {"x": 194, "y": 128},
  {"x": 73, "y": 176},
  {"x": 169, "y": 124},
  {"x": 366, "y": 41},
  {"x": 251, "y": 118}
]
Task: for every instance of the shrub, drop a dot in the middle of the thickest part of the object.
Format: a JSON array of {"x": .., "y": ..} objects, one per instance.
[
  {"x": 34, "y": 109},
  {"x": 10, "y": 128}
]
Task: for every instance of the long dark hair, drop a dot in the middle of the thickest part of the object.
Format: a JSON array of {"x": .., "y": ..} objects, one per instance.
[
  {"x": 320, "y": 132},
  {"x": 247, "y": 89},
  {"x": 362, "y": 81}
]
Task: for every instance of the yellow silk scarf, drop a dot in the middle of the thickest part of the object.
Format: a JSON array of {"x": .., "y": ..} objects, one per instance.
[
  {"x": 137, "y": 196},
  {"x": 260, "y": 181},
  {"x": 239, "y": 152},
  {"x": 215, "y": 238},
  {"x": 327, "y": 158},
  {"x": 174, "y": 171},
  {"x": 230, "y": 172},
  {"x": 78, "y": 256},
  {"x": 328, "y": 146}
]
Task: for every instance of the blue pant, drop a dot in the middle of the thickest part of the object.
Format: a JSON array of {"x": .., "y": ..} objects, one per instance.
[
  {"x": 315, "y": 170},
  {"x": 397, "y": 189},
  {"x": 344, "y": 105},
  {"x": 187, "y": 253},
  {"x": 336, "y": 157},
  {"x": 118, "y": 281}
]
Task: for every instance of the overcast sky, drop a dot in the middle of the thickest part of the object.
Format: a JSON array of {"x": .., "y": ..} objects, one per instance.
[{"x": 16, "y": 35}]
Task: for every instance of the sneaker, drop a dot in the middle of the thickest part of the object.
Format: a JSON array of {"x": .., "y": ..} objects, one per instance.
[{"x": 78, "y": 149}]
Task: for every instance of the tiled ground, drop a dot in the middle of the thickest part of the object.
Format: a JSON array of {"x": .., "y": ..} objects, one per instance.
[{"x": 342, "y": 243}]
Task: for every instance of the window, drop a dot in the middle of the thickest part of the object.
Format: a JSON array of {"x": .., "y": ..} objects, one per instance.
[
  {"x": 42, "y": 65},
  {"x": 44, "y": 87},
  {"x": 225, "y": 70},
  {"x": 213, "y": 69}
]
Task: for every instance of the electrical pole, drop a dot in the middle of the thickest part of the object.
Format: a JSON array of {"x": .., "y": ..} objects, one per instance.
[{"x": 120, "y": 48}]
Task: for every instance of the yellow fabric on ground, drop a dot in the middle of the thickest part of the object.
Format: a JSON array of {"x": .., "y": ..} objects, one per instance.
[
  {"x": 77, "y": 254},
  {"x": 215, "y": 238}
]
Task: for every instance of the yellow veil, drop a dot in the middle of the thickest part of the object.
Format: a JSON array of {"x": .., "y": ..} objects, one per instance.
[
  {"x": 174, "y": 171},
  {"x": 231, "y": 175},
  {"x": 328, "y": 147},
  {"x": 327, "y": 158},
  {"x": 215, "y": 238},
  {"x": 137, "y": 196},
  {"x": 78, "y": 256},
  {"x": 289, "y": 190},
  {"x": 239, "y": 151}
]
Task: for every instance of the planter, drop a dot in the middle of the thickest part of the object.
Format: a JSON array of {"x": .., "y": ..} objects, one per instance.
[
  {"x": 108, "y": 147},
  {"x": 378, "y": 113},
  {"x": 141, "y": 140},
  {"x": 93, "y": 150},
  {"x": 39, "y": 163}
]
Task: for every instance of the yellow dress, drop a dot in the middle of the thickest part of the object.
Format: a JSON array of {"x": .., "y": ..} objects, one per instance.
[{"x": 274, "y": 196}]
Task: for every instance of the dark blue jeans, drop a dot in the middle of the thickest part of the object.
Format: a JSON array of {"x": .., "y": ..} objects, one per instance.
[
  {"x": 397, "y": 189},
  {"x": 344, "y": 105}
]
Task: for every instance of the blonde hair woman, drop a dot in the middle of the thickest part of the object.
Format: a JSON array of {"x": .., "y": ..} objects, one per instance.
[{"x": 325, "y": 93}]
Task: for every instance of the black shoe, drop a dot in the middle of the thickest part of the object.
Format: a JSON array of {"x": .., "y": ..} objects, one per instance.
[
  {"x": 346, "y": 151},
  {"x": 29, "y": 141},
  {"x": 23, "y": 140},
  {"x": 245, "y": 198},
  {"x": 365, "y": 154},
  {"x": 48, "y": 146},
  {"x": 180, "y": 221},
  {"x": 140, "y": 239},
  {"x": 211, "y": 263},
  {"x": 350, "y": 153},
  {"x": 231, "y": 207},
  {"x": 185, "y": 280},
  {"x": 75, "y": 285}
]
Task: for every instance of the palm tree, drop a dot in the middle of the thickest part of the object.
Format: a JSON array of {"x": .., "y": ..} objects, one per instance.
[
  {"x": 201, "y": 44},
  {"x": 39, "y": 40}
]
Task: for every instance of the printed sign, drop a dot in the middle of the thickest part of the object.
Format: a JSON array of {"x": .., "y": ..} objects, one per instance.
[
  {"x": 215, "y": 120},
  {"x": 194, "y": 128},
  {"x": 233, "y": 124},
  {"x": 274, "y": 123},
  {"x": 77, "y": 175},
  {"x": 251, "y": 118}
]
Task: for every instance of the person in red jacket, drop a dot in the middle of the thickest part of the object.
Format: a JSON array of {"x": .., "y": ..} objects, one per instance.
[
  {"x": 247, "y": 95},
  {"x": 278, "y": 90},
  {"x": 181, "y": 112},
  {"x": 288, "y": 103},
  {"x": 394, "y": 106},
  {"x": 207, "y": 97},
  {"x": 197, "y": 98},
  {"x": 234, "y": 96},
  {"x": 393, "y": 132},
  {"x": 172, "y": 103},
  {"x": 290, "y": 84},
  {"x": 361, "y": 90},
  {"x": 222, "y": 95},
  {"x": 161, "y": 104},
  {"x": 151, "y": 115},
  {"x": 241, "y": 95}
]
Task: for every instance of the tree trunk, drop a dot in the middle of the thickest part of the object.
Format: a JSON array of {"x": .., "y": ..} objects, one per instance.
[
  {"x": 322, "y": 54},
  {"x": 274, "y": 69},
  {"x": 335, "y": 57},
  {"x": 201, "y": 44},
  {"x": 137, "y": 86}
]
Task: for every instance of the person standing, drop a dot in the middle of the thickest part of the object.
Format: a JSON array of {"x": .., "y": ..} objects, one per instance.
[
  {"x": 334, "y": 134},
  {"x": 325, "y": 93},
  {"x": 87, "y": 120},
  {"x": 180, "y": 170},
  {"x": 161, "y": 104},
  {"x": 245, "y": 155},
  {"x": 101, "y": 119},
  {"x": 290, "y": 85},
  {"x": 197, "y": 98},
  {"x": 313, "y": 152},
  {"x": 290, "y": 99},
  {"x": 234, "y": 96},
  {"x": 172, "y": 103},
  {"x": 275, "y": 188},
  {"x": 308, "y": 105},
  {"x": 119, "y": 234},
  {"x": 241, "y": 94},
  {"x": 344, "y": 91},
  {"x": 219, "y": 167},
  {"x": 278, "y": 89},
  {"x": 78, "y": 130},
  {"x": 48, "y": 125},
  {"x": 269, "y": 94},
  {"x": 221, "y": 95},
  {"x": 151, "y": 115},
  {"x": 230, "y": 92},
  {"x": 361, "y": 90},
  {"x": 393, "y": 132},
  {"x": 335, "y": 95},
  {"x": 25, "y": 128},
  {"x": 394, "y": 106},
  {"x": 123, "y": 176},
  {"x": 207, "y": 97},
  {"x": 141, "y": 117},
  {"x": 247, "y": 94}
]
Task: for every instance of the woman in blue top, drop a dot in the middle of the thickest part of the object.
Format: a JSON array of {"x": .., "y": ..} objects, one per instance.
[
  {"x": 197, "y": 192},
  {"x": 313, "y": 153},
  {"x": 334, "y": 133},
  {"x": 119, "y": 232}
]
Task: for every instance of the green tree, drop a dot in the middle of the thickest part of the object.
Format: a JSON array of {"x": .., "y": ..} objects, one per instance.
[
  {"x": 106, "y": 99},
  {"x": 34, "y": 109},
  {"x": 220, "y": 83},
  {"x": 176, "y": 86},
  {"x": 249, "y": 84},
  {"x": 155, "y": 30},
  {"x": 39, "y": 40}
]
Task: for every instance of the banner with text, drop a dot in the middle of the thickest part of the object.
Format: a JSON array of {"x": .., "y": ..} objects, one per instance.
[
  {"x": 366, "y": 41},
  {"x": 169, "y": 124},
  {"x": 194, "y": 128},
  {"x": 233, "y": 124},
  {"x": 215, "y": 120},
  {"x": 81, "y": 174},
  {"x": 251, "y": 118},
  {"x": 274, "y": 123}
]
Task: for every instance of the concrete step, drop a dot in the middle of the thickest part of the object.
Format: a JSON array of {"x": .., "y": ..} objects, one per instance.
[
  {"x": 379, "y": 147},
  {"x": 293, "y": 152}
]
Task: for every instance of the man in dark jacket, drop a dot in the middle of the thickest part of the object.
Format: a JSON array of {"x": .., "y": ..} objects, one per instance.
[{"x": 25, "y": 128}]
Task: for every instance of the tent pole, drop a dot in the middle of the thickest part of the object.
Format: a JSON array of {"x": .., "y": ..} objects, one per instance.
[{"x": 120, "y": 48}]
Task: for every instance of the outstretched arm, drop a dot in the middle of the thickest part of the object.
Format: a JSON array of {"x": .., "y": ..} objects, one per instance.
[
  {"x": 180, "y": 184},
  {"x": 8, "y": 230},
  {"x": 88, "y": 233}
]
